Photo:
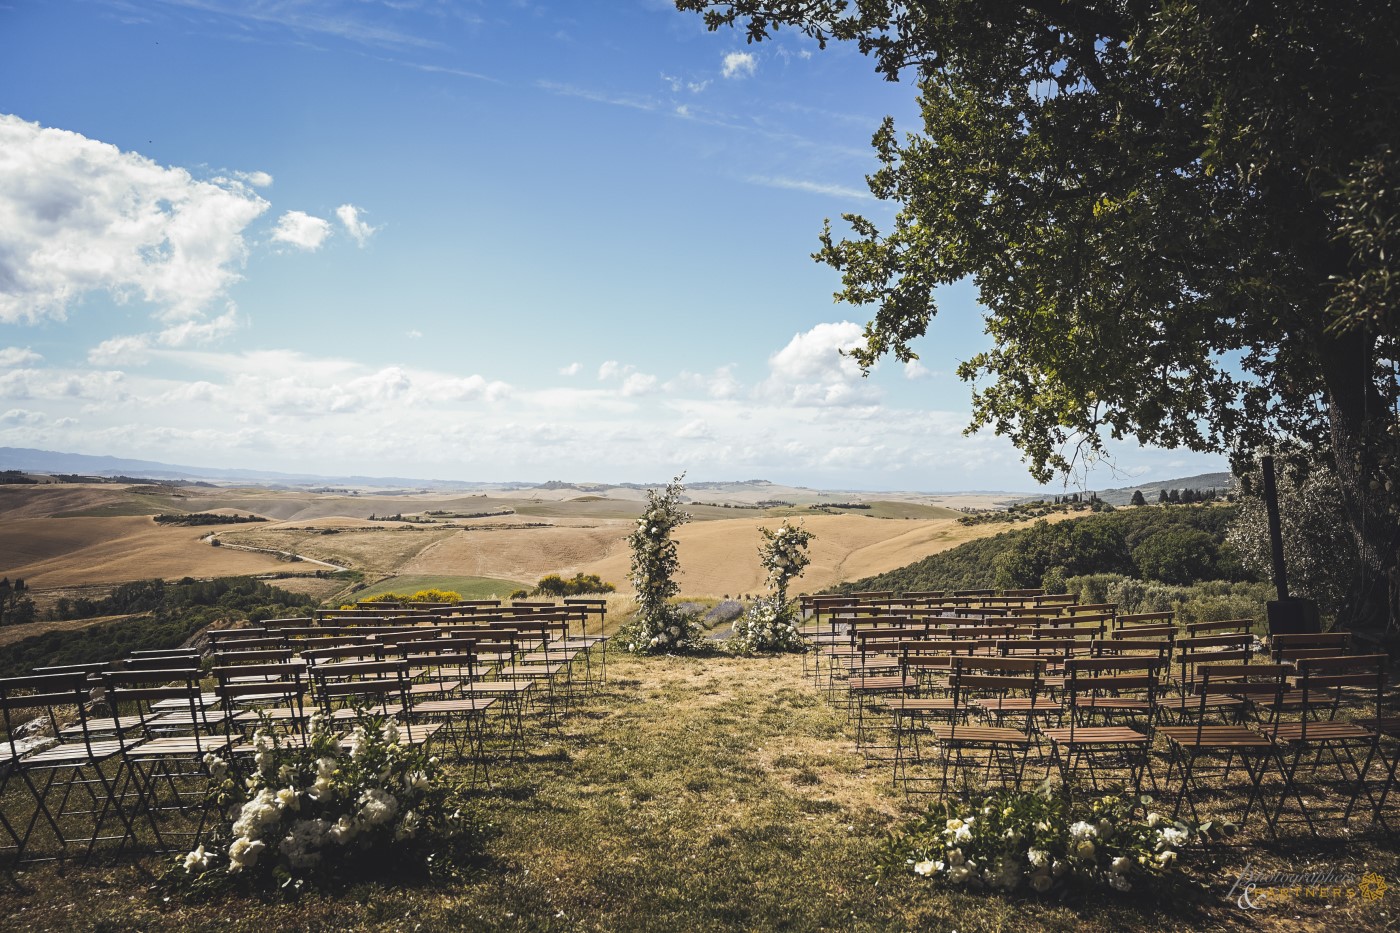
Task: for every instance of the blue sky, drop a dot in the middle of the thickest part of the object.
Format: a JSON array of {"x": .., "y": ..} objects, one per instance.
[{"x": 479, "y": 241}]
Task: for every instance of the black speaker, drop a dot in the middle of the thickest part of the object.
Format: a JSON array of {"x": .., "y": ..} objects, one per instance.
[{"x": 1293, "y": 616}]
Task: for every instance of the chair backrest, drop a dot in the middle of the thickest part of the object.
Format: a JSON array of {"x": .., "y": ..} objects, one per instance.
[
  {"x": 160, "y": 661},
  {"x": 162, "y": 700},
  {"x": 1219, "y": 626},
  {"x": 994, "y": 679},
  {"x": 1135, "y": 678},
  {"x": 355, "y": 651},
  {"x": 375, "y": 685},
  {"x": 1322, "y": 682},
  {"x": 1260, "y": 684},
  {"x": 1198, "y": 651},
  {"x": 1308, "y": 645},
  {"x": 248, "y": 688},
  {"x": 1158, "y": 648},
  {"x": 43, "y": 695}
]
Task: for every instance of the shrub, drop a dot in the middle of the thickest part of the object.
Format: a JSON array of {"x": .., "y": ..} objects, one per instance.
[{"x": 579, "y": 585}]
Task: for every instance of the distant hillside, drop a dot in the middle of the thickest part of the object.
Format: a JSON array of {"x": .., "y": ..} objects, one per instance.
[
  {"x": 1181, "y": 544},
  {"x": 1123, "y": 495},
  {"x": 51, "y": 461}
]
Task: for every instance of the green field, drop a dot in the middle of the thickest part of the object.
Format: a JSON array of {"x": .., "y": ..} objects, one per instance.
[{"x": 469, "y": 587}]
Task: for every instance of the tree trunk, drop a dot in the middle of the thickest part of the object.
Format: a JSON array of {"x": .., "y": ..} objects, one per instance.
[{"x": 1360, "y": 420}]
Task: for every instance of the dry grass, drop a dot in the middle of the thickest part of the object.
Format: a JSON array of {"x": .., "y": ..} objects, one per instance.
[
  {"x": 12, "y": 633},
  {"x": 583, "y": 534},
  {"x": 722, "y": 557},
  {"x": 695, "y": 794}
]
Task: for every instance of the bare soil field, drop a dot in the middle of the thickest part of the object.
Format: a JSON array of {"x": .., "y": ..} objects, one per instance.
[
  {"x": 66, "y": 551},
  {"x": 525, "y": 553},
  {"x": 374, "y": 549}
]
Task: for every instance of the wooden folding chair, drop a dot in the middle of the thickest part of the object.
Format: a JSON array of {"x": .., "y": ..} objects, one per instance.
[
  {"x": 1190, "y": 745},
  {"x": 167, "y": 780},
  {"x": 1318, "y": 729},
  {"x": 51, "y": 771},
  {"x": 966, "y": 744},
  {"x": 452, "y": 663},
  {"x": 1098, "y": 690}
]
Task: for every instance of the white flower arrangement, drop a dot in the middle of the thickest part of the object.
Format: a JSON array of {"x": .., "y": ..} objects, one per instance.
[
  {"x": 1032, "y": 838},
  {"x": 766, "y": 626},
  {"x": 321, "y": 805}
]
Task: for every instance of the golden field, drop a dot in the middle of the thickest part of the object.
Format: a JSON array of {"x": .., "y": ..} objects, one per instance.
[{"x": 62, "y": 536}]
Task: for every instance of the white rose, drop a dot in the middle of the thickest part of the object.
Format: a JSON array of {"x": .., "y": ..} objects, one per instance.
[
  {"x": 243, "y": 854},
  {"x": 925, "y": 867},
  {"x": 198, "y": 859}
]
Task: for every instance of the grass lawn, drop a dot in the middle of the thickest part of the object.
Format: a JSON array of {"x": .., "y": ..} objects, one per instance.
[{"x": 699, "y": 794}]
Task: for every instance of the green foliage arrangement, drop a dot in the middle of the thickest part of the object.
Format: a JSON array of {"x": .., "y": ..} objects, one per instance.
[
  {"x": 770, "y": 624},
  {"x": 658, "y": 625},
  {"x": 1041, "y": 841},
  {"x": 327, "y": 809}
]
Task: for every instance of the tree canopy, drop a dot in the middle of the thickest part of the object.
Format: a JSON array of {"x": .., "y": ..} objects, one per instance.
[{"x": 1182, "y": 217}]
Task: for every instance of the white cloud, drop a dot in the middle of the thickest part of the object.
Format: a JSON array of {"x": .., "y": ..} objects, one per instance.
[
  {"x": 99, "y": 386},
  {"x": 18, "y": 356},
  {"x": 739, "y": 65},
  {"x": 22, "y": 416},
  {"x": 812, "y": 187},
  {"x": 633, "y": 382},
  {"x": 639, "y": 384},
  {"x": 696, "y": 429},
  {"x": 256, "y": 179},
  {"x": 469, "y": 389},
  {"x": 916, "y": 370},
  {"x": 572, "y": 369},
  {"x": 79, "y": 216},
  {"x": 811, "y": 370},
  {"x": 200, "y": 391},
  {"x": 358, "y": 229},
  {"x": 414, "y": 334},
  {"x": 121, "y": 351},
  {"x": 200, "y": 332},
  {"x": 300, "y": 229}
]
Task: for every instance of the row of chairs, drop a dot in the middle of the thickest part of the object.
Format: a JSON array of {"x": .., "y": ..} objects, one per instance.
[
  {"x": 954, "y": 700},
  {"x": 138, "y": 774}
]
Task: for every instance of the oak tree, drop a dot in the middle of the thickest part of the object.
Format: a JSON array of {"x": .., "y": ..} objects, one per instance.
[{"x": 1182, "y": 217}]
